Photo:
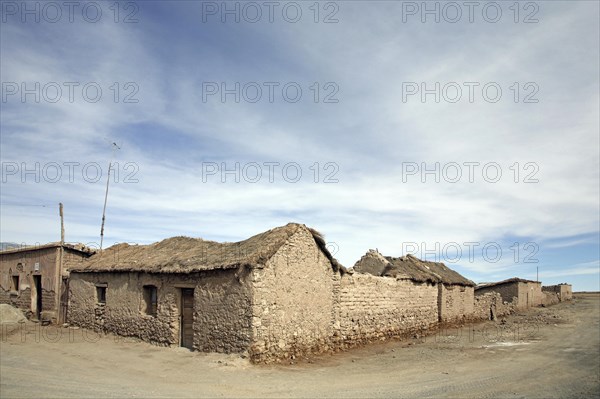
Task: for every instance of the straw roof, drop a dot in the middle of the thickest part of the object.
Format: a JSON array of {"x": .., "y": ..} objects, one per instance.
[
  {"x": 185, "y": 254},
  {"x": 507, "y": 281},
  {"x": 410, "y": 267}
]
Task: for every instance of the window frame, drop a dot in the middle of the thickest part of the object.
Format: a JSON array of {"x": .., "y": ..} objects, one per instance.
[
  {"x": 150, "y": 300},
  {"x": 15, "y": 282},
  {"x": 101, "y": 293}
]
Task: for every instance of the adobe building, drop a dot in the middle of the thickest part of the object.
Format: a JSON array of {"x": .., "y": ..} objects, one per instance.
[
  {"x": 453, "y": 294},
  {"x": 270, "y": 296},
  {"x": 34, "y": 278},
  {"x": 274, "y": 296},
  {"x": 521, "y": 293},
  {"x": 563, "y": 291}
]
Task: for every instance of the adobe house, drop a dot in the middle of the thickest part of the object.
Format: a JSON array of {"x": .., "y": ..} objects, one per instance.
[
  {"x": 563, "y": 291},
  {"x": 522, "y": 293},
  {"x": 34, "y": 278},
  {"x": 270, "y": 296},
  {"x": 454, "y": 293}
]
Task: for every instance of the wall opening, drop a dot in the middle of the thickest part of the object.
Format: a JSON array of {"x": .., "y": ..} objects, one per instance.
[
  {"x": 14, "y": 283},
  {"x": 150, "y": 304},
  {"x": 101, "y": 293},
  {"x": 37, "y": 293}
]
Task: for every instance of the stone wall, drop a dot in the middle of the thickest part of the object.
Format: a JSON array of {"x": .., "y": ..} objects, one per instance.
[
  {"x": 222, "y": 311},
  {"x": 455, "y": 303},
  {"x": 293, "y": 306},
  {"x": 522, "y": 294},
  {"x": 506, "y": 291},
  {"x": 490, "y": 306},
  {"x": 564, "y": 292},
  {"x": 371, "y": 307},
  {"x": 550, "y": 298}
]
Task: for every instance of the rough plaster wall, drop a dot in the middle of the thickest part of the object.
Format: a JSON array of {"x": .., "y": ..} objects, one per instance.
[
  {"x": 566, "y": 292},
  {"x": 507, "y": 291},
  {"x": 373, "y": 307},
  {"x": 456, "y": 303},
  {"x": 221, "y": 308},
  {"x": 292, "y": 302},
  {"x": 122, "y": 313},
  {"x": 9, "y": 266},
  {"x": 563, "y": 291},
  {"x": 530, "y": 294},
  {"x": 223, "y": 312},
  {"x": 491, "y": 305},
  {"x": 550, "y": 298}
]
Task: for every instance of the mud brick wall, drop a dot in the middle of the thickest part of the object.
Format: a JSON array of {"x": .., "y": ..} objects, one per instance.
[
  {"x": 564, "y": 292},
  {"x": 372, "y": 307},
  {"x": 222, "y": 311},
  {"x": 72, "y": 259},
  {"x": 221, "y": 308},
  {"x": 506, "y": 291},
  {"x": 530, "y": 294},
  {"x": 293, "y": 303},
  {"x": 490, "y": 306},
  {"x": 455, "y": 303},
  {"x": 550, "y": 298}
]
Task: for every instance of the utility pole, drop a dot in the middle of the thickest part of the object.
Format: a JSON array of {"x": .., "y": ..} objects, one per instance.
[
  {"x": 115, "y": 147},
  {"x": 59, "y": 270}
]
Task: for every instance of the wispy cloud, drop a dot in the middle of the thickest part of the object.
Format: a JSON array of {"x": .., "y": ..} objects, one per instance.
[{"x": 368, "y": 137}]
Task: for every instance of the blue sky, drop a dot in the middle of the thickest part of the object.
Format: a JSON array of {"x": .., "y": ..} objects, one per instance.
[{"x": 351, "y": 161}]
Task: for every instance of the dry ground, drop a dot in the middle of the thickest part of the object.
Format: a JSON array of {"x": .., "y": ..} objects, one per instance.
[{"x": 545, "y": 353}]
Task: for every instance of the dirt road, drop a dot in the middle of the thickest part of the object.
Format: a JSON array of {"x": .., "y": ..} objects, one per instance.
[{"x": 545, "y": 353}]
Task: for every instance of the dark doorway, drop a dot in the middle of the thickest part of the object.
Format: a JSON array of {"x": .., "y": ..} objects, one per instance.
[
  {"x": 37, "y": 282},
  {"x": 64, "y": 300},
  {"x": 187, "y": 318}
]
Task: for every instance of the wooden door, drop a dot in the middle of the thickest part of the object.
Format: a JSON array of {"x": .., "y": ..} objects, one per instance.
[{"x": 187, "y": 318}]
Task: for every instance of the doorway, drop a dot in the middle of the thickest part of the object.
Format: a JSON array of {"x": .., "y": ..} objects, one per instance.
[
  {"x": 186, "y": 327},
  {"x": 37, "y": 286}
]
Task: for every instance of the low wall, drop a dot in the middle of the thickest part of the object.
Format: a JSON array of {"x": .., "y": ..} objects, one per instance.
[
  {"x": 370, "y": 308},
  {"x": 490, "y": 306},
  {"x": 564, "y": 292},
  {"x": 455, "y": 303}
]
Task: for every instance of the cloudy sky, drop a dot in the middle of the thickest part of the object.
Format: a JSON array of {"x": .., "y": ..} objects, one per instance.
[{"x": 463, "y": 133}]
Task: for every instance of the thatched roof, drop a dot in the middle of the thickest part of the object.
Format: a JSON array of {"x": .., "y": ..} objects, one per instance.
[
  {"x": 507, "y": 281},
  {"x": 185, "y": 254},
  {"x": 410, "y": 267}
]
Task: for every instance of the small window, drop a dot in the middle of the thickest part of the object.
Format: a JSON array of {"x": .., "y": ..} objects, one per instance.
[
  {"x": 150, "y": 300},
  {"x": 15, "y": 283},
  {"x": 101, "y": 294}
]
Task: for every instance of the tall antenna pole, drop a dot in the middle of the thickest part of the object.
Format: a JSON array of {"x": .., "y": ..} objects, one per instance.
[
  {"x": 115, "y": 147},
  {"x": 537, "y": 274}
]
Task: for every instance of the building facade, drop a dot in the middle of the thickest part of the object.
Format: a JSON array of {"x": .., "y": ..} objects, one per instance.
[
  {"x": 521, "y": 293},
  {"x": 34, "y": 278}
]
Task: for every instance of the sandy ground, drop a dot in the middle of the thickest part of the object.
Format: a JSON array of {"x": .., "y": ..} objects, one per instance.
[{"x": 545, "y": 353}]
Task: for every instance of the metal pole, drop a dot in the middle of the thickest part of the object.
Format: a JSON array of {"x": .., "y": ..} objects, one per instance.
[
  {"x": 115, "y": 147},
  {"x": 104, "y": 209}
]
